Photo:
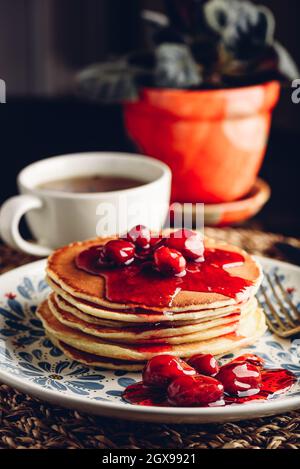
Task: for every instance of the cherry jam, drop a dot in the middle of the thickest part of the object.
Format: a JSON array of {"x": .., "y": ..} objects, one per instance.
[
  {"x": 189, "y": 390},
  {"x": 139, "y": 283}
]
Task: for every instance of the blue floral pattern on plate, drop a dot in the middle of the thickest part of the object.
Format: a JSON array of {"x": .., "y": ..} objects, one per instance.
[{"x": 25, "y": 351}]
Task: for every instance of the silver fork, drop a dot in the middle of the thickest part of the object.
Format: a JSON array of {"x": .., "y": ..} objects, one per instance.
[{"x": 282, "y": 320}]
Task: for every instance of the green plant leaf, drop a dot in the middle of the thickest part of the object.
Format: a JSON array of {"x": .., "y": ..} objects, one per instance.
[
  {"x": 243, "y": 27},
  {"x": 176, "y": 67},
  {"x": 109, "y": 82},
  {"x": 286, "y": 66}
]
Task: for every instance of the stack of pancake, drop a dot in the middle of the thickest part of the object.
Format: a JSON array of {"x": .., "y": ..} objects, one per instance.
[{"x": 87, "y": 327}]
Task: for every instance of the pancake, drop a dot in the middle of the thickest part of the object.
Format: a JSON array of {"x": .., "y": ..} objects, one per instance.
[
  {"x": 94, "y": 360},
  {"x": 62, "y": 271},
  {"x": 144, "y": 334},
  {"x": 251, "y": 327},
  {"x": 214, "y": 314},
  {"x": 130, "y": 316}
]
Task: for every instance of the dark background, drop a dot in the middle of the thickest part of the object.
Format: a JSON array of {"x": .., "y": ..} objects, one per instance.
[{"x": 43, "y": 43}]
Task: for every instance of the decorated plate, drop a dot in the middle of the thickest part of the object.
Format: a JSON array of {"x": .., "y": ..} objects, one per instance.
[{"x": 29, "y": 362}]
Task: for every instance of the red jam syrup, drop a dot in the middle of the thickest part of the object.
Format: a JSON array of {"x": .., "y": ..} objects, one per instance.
[
  {"x": 140, "y": 283},
  {"x": 272, "y": 382}
]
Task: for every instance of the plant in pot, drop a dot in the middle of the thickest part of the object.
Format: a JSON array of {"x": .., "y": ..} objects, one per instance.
[{"x": 201, "y": 97}]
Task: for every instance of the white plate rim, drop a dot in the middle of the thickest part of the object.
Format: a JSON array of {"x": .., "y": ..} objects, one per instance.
[{"x": 151, "y": 413}]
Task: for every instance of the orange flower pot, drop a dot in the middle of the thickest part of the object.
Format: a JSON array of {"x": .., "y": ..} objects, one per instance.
[{"x": 213, "y": 140}]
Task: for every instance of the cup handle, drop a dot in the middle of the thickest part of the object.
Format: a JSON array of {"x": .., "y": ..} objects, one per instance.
[{"x": 10, "y": 215}]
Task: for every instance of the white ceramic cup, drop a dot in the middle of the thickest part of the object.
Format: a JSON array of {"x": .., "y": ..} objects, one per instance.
[{"x": 56, "y": 218}]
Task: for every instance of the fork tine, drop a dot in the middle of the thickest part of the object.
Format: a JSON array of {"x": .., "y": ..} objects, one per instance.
[
  {"x": 273, "y": 311},
  {"x": 285, "y": 311},
  {"x": 293, "y": 331},
  {"x": 286, "y": 296}
]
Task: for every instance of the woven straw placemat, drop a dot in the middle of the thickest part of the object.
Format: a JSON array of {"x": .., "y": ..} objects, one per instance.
[{"x": 29, "y": 423}]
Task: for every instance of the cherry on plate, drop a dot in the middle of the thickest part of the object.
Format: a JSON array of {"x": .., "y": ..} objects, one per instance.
[
  {"x": 169, "y": 261},
  {"x": 205, "y": 364},
  {"x": 140, "y": 236},
  {"x": 189, "y": 243},
  {"x": 191, "y": 391},
  {"x": 162, "y": 369},
  {"x": 250, "y": 358},
  {"x": 240, "y": 378},
  {"x": 119, "y": 251}
]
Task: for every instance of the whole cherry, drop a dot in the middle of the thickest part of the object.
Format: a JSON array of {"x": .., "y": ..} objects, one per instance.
[
  {"x": 240, "y": 378},
  {"x": 92, "y": 260},
  {"x": 250, "y": 358},
  {"x": 140, "y": 236},
  {"x": 169, "y": 261},
  {"x": 162, "y": 369},
  {"x": 198, "y": 390},
  {"x": 189, "y": 243},
  {"x": 119, "y": 252},
  {"x": 205, "y": 364},
  {"x": 146, "y": 254},
  {"x": 102, "y": 259}
]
